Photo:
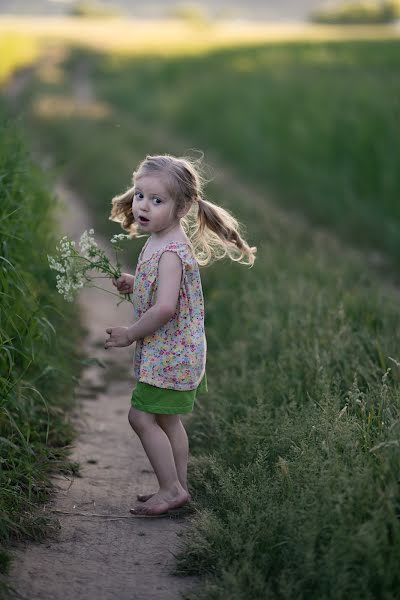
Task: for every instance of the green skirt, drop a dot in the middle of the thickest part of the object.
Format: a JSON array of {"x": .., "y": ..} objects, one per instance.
[{"x": 153, "y": 399}]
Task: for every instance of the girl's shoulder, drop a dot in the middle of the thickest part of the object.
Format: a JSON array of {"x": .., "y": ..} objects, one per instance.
[{"x": 183, "y": 248}]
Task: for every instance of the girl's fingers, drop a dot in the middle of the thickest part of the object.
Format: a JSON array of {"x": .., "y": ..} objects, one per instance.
[{"x": 108, "y": 343}]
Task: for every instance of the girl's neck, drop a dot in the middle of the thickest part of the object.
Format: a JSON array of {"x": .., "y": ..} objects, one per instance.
[{"x": 172, "y": 233}]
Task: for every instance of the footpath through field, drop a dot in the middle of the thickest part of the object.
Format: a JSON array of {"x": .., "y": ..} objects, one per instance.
[{"x": 101, "y": 552}]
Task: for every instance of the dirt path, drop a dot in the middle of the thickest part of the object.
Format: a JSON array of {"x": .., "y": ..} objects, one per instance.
[{"x": 101, "y": 552}]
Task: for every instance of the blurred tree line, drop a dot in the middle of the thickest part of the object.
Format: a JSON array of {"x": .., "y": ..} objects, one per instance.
[{"x": 358, "y": 12}]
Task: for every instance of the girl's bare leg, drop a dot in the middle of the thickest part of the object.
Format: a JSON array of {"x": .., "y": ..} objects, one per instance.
[
  {"x": 173, "y": 427},
  {"x": 159, "y": 451}
]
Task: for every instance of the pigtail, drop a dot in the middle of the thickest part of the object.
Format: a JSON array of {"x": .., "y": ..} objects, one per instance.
[
  {"x": 217, "y": 234},
  {"x": 121, "y": 212},
  {"x": 212, "y": 230}
]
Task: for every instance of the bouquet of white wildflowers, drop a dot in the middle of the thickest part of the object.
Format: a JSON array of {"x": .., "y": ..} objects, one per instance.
[{"x": 75, "y": 267}]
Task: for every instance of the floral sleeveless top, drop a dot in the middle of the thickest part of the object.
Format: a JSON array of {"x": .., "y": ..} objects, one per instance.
[{"x": 174, "y": 356}]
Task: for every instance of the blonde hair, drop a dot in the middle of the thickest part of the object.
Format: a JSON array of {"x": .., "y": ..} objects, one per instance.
[{"x": 212, "y": 230}]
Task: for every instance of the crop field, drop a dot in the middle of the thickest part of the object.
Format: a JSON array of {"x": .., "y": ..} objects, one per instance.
[{"x": 295, "y": 449}]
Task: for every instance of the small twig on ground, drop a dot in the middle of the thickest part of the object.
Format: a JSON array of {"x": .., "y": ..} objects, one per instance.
[{"x": 64, "y": 512}]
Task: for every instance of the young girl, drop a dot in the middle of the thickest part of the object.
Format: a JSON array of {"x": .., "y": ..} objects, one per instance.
[{"x": 184, "y": 231}]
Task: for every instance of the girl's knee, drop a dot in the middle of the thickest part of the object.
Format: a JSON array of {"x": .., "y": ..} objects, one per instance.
[
  {"x": 140, "y": 420},
  {"x": 168, "y": 421}
]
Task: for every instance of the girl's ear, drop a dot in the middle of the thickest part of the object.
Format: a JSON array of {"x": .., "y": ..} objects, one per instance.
[{"x": 183, "y": 211}]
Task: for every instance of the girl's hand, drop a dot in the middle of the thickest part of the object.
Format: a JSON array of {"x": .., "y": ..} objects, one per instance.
[
  {"x": 124, "y": 283},
  {"x": 119, "y": 337}
]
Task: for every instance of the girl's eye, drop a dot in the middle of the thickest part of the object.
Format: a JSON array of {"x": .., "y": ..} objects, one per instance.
[{"x": 159, "y": 201}]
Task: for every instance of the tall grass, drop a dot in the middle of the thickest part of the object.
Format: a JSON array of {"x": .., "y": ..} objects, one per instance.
[
  {"x": 311, "y": 122},
  {"x": 296, "y": 447},
  {"x": 38, "y": 360}
]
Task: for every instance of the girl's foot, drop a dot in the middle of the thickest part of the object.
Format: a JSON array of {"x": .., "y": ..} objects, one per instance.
[
  {"x": 162, "y": 502},
  {"x": 145, "y": 497}
]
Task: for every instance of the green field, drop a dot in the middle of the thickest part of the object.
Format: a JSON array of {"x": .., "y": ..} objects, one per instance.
[
  {"x": 312, "y": 123},
  {"x": 295, "y": 456}
]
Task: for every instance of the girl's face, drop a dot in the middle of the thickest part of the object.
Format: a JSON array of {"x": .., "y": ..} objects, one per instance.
[{"x": 152, "y": 206}]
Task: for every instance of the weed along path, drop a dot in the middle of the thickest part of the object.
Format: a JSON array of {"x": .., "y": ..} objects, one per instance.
[{"x": 100, "y": 551}]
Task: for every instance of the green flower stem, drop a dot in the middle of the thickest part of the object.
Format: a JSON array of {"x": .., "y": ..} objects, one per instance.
[
  {"x": 116, "y": 259},
  {"x": 113, "y": 293},
  {"x": 113, "y": 272}
]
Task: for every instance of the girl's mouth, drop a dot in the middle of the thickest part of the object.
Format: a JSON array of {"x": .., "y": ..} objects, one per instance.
[{"x": 143, "y": 220}]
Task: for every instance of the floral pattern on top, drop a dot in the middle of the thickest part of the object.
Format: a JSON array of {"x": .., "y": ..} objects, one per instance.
[{"x": 174, "y": 356}]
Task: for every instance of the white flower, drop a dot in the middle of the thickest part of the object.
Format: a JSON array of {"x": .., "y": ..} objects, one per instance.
[
  {"x": 88, "y": 244},
  {"x": 74, "y": 266},
  {"x": 118, "y": 237}
]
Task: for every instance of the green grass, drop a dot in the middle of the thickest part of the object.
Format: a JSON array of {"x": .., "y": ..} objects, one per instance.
[
  {"x": 310, "y": 123},
  {"x": 320, "y": 136},
  {"x": 313, "y": 122},
  {"x": 38, "y": 361},
  {"x": 297, "y": 496},
  {"x": 294, "y": 451}
]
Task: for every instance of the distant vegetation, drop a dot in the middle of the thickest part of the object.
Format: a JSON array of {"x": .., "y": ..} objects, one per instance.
[
  {"x": 198, "y": 15},
  {"x": 191, "y": 13},
  {"x": 91, "y": 8},
  {"x": 361, "y": 12}
]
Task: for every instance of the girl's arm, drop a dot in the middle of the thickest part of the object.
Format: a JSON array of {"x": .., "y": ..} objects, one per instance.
[{"x": 168, "y": 286}]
